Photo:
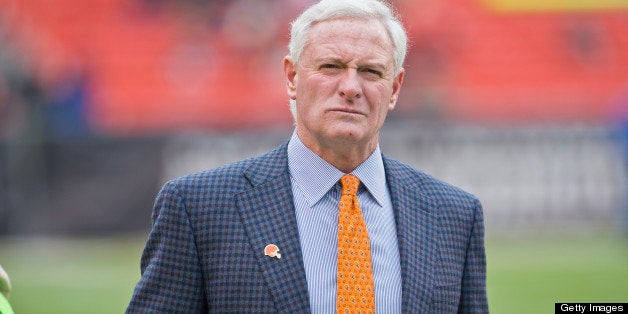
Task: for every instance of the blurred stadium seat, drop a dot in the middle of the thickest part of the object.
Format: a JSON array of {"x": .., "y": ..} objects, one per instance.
[
  {"x": 527, "y": 92},
  {"x": 156, "y": 66}
]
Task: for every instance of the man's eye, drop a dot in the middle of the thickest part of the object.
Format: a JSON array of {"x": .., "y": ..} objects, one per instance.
[
  {"x": 329, "y": 66},
  {"x": 372, "y": 71}
]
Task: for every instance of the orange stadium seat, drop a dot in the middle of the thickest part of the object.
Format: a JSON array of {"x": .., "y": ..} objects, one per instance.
[{"x": 155, "y": 71}]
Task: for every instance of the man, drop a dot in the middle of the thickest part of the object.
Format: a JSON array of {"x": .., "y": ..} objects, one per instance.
[{"x": 324, "y": 223}]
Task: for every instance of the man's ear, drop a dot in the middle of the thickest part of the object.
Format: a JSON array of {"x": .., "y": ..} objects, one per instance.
[
  {"x": 290, "y": 71},
  {"x": 397, "y": 82}
]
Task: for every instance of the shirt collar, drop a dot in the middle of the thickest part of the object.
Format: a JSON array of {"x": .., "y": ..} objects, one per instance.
[{"x": 315, "y": 176}]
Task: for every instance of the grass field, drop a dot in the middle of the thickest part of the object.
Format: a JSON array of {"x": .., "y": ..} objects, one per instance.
[
  {"x": 524, "y": 275},
  {"x": 529, "y": 276}
]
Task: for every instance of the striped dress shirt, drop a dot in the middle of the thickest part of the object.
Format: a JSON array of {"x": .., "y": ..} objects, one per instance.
[{"x": 316, "y": 190}]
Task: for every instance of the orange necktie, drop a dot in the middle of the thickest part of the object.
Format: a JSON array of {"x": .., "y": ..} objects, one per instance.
[{"x": 356, "y": 291}]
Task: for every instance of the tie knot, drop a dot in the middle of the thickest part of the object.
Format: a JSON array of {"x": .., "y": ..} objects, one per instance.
[{"x": 350, "y": 184}]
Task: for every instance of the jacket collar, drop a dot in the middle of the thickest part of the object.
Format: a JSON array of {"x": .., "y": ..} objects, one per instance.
[
  {"x": 415, "y": 216},
  {"x": 268, "y": 215}
]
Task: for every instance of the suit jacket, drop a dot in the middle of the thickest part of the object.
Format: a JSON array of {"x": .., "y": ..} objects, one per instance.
[{"x": 205, "y": 252}]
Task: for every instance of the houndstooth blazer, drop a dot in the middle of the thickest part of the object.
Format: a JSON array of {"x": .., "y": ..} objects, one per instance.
[{"x": 205, "y": 252}]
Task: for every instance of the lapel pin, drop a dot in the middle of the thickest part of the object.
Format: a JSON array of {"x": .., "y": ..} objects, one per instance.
[{"x": 272, "y": 251}]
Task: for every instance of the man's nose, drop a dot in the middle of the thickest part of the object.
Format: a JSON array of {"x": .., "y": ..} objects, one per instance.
[{"x": 350, "y": 86}]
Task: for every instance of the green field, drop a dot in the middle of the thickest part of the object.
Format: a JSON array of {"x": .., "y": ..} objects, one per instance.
[
  {"x": 529, "y": 276},
  {"x": 524, "y": 275}
]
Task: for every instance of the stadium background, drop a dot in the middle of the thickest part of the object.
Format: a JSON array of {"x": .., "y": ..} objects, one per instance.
[{"x": 523, "y": 103}]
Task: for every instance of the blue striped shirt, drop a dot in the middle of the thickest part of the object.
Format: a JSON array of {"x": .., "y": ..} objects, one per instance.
[{"x": 316, "y": 193}]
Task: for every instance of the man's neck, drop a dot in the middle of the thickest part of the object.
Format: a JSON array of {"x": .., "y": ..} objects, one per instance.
[{"x": 344, "y": 155}]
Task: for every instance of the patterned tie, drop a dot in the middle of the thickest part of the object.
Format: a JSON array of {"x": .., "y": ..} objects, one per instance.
[{"x": 356, "y": 292}]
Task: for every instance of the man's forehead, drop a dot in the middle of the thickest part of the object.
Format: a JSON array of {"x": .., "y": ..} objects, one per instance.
[
  {"x": 345, "y": 26},
  {"x": 342, "y": 31}
]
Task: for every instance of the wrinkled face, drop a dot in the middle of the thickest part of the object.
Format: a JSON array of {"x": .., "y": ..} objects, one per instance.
[{"x": 344, "y": 83}]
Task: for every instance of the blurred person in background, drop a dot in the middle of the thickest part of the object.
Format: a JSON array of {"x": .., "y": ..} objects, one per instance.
[
  {"x": 620, "y": 115},
  {"x": 19, "y": 90},
  {"x": 276, "y": 233},
  {"x": 5, "y": 289},
  {"x": 22, "y": 131}
]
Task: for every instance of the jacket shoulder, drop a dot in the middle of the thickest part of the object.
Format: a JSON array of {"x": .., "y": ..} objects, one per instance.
[
  {"x": 233, "y": 177},
  {"x": 426, "y": 184}
]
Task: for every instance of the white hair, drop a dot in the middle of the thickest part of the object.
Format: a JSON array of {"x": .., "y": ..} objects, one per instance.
[{"x": 326, "y": 10}]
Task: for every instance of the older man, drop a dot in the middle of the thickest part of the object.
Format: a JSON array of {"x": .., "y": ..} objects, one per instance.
[{"x": 325, "y": 223}]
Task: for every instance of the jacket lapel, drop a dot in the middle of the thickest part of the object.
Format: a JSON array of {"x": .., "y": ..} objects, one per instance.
[
  {"x": 416, "y": 233},
  {"x": 268, "y": 214}
]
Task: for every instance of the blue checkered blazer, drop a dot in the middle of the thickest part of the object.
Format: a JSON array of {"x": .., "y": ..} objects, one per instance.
[{"x": 205, "y": 252}]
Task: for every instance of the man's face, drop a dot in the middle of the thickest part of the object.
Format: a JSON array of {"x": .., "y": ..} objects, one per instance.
[{"x": 344, "y": 83}]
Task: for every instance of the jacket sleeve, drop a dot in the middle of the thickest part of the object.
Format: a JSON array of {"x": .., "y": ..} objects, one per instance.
[
  {"x": 473, "y": 295},
  {"x": 171, "y": 280}
]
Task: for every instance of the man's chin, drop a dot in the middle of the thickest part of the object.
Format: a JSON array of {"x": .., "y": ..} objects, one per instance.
[{"x": 347, "y": 136}]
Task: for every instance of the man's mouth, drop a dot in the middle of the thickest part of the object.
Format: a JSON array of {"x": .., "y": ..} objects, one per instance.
[{"x": 346, "y": 110}]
